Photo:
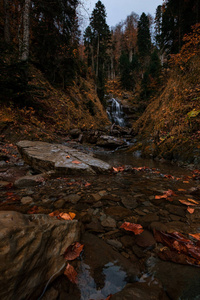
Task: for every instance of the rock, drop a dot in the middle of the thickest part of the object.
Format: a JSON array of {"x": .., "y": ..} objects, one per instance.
[
  {"x": 158, "y": 226},
  {"x": 151, "y": 290},
  {"x": 75, "y": 132},
  {"x": 118, "y": 212},
  {"x": 32, "y": 248},
  {"x": 96, "y": 197},
  {"x": 127, "y": 241},
  {"x": 145, "y": 239},
  {"x": 73, "y": 198},
  {"x": 94, "y": 226},
  {"x": 98, "y": 254},
  {"x": 109, "y": 222},
  {"x": 129, "y": 202},
  {"x": 195, "y": 191},
  {"x": 145, "y": 221},
  {"x": 59, "y": 203},
  {"x": 176, "y": 210},
  {"x": 26, "y": 200},
  {"x": 28, "y": 181},
  {"x": 114, "y": 243},
  {"x": 62, "y": 159},
  {"x": 109, "y": 142},
  {"x": 4, "y": 184}
]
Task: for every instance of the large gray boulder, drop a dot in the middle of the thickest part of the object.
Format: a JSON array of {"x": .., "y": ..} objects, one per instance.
[
  {"x": 45, "y": 156},
  {"x": 31, "y": 248}
]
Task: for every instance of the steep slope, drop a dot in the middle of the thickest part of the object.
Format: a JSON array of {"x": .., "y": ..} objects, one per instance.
[
  {"x": 51, "y": 111},
  {"x": 170, "y": 126}
]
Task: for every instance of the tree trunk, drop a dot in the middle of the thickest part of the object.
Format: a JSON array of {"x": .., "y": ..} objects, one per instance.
[
  {"x": 26, "y": 23},
  {"x": 97, "y": 65},
  {"x": 6, "y": 22}
]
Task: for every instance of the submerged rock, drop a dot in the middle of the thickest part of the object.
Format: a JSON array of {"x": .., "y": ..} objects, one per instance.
[
  {"x": 31, "y": 252},
  {"x": 62, "y": 159},
  {"x": 110, "y": 142}
]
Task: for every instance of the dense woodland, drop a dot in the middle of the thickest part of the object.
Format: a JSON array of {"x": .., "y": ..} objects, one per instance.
[{"x": 138, "y": 51}]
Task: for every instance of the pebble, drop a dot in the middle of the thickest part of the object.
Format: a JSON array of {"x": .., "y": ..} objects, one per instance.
[
  {"x": 109, "y": 222},
  {"x": 26, "y": 200}
]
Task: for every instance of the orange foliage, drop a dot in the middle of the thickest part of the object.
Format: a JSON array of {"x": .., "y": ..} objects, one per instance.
[{"x": 190, "y": 49}]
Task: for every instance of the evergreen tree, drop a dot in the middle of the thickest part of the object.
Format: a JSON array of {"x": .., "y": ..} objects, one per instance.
[
  {"x": 100, "y": 37},
  {"x": 143, "y": 37}
]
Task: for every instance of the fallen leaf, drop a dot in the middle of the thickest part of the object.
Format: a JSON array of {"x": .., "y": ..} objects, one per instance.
[
  {"x": 190, "y": 210},
  {"x": 165, "y": 195},
  {"x": 193, "y": 201},
  {"x": 118, "y": 169},
  {"x": 186, "y": 202},
  {"x": 33, "y": 210},
  {"x": 136, "y": 228},
  {"x": 76, "y": 162},
  {"x": 185, "y": 181},
  {"x": 73, "y": 251},
  {"x": 195, "y": 235},
  {"x": 54, "y": 213},
  {"x": 181, "y": 190},
  {"x": 71, "y": 273},
  {"x": 65, "y": 216},
  {"x": 68, "y": 156},
  {"x": 87, "y": 184},
  {"x": 72, "y": 215}
]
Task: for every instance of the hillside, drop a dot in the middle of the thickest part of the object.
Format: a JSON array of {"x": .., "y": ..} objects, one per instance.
[
  {"x": 52, "y": 112},
  {"x": 170, "y": 126}
]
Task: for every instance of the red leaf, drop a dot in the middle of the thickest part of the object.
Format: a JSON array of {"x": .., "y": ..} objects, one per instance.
[
  {"x": 87, "y": 184},
  {"x": 73, "y": 251},
  {"x": 118, "y": 169},
  {"x": 33, "y": 210},
  {"x": 136, "y": 228},
  {"x": 76, "y": 162},
  {"x": 165, "y": 195},
  {"x": 71, "y": 273}
]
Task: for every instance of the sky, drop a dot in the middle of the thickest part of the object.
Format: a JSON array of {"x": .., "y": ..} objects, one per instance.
[{"x": 118, "y": 10}]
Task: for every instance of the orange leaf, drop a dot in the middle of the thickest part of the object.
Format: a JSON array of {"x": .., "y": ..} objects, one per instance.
[
  {"x": 72, "y": 215},
  {"x": 65, "y": 216},
  {"x": 195, "y": 235},
  {"x": 136, "y": 228},
  {"x": 87, "y": 184},
  {"x": 190, "y": 210},
  {"x": 54, "y": 213},
  {"x": 68, "y": 156},
  {"x": 185, "y": 181},
  {"x": 181, "y": 190},
  {"x": 71, "y": 273},
  {"x": 73, "y": 251},
  {"x": 186, "y": 202},
  {"x": 76, "y": 162},
  {"x": 193, "y": 201}
]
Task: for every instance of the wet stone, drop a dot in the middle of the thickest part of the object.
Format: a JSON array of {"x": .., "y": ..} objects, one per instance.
[
  {"x": 127, "y": 241},
  {"x": 145, "y": 221},
  {"x": 158, "y": 226},
  {"x": 73, "y": 198},
  {"x": 59, "y": 204},
  {"x": 109, "y": 222},
  {"x": 96, "y": 197},
  {"x": 26, "y": 200},
  {"x": 145, "y": 239},
  {"x": 129, "y": 202},
  {"x": 176, "y": 210},
  {"x": 114, "y": 243},
  {"x": 118, "y": 212}
]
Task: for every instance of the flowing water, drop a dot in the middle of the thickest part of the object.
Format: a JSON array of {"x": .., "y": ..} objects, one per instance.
[{"x": 115, "y": 113}]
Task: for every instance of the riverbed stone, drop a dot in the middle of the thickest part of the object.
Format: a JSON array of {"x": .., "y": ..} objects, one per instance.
[
  {"x": 32, "y": 248},
  {"x": 109, "y": 222},
  {"x": 62, "y": 159},
  {"x": 110, "y": 142},
  {"x": 114, "y": 243},
  {"x": 26, "y": 200},
  {"x": 118, "y": 212},
  {"x": 145, "y": 221},
  {"x": 28, "y": 181},
  {"x": 145, "y": 239},
  {"x": 129, "y": 202},
  {"x": 151, "y": 290},
  {"x": 73, "y": 198}
]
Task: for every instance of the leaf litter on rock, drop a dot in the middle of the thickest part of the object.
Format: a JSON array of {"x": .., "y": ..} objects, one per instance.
[
  {"x": 73, "y": 251},
  {"x": 136, "y": 228}
]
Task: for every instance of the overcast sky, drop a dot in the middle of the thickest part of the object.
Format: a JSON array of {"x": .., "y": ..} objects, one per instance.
[{"x": 118, "y": 10}]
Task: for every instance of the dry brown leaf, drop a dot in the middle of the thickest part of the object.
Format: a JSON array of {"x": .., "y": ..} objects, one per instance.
[
  {"x": 73, "y": 251},
  {"x": 195, "y": 235},
  {"x": 71, "y": 273}
]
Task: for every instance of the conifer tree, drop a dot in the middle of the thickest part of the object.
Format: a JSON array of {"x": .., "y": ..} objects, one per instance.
[{"x": 143, "y": 37}]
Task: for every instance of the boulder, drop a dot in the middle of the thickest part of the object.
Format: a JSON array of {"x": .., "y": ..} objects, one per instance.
[
  {"x": 110, "y": 142},
  {"x": 62, "y": 159},
  {"x": 31, "y": 252}
]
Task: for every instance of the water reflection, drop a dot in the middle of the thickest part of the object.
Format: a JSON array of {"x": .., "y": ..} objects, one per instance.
[{"x": 114, "y": 281}]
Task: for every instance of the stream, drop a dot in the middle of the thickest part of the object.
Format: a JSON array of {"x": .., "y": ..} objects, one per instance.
[
  {"x": 115, "y": 261},
  {"x": 114, "y": 258}
]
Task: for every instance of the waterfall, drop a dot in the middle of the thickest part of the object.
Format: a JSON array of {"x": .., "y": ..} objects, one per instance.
[{"x": 115, "y": 113}]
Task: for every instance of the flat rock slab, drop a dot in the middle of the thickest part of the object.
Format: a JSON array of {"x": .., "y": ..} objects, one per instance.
[{"x": 62, "y": 159}]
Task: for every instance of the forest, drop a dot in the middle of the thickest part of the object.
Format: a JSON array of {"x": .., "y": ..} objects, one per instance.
[{"x": 99, "y": 152}]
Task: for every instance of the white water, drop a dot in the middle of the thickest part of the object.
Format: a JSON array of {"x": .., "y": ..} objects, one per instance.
[{"x": 116, "y": 114}]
